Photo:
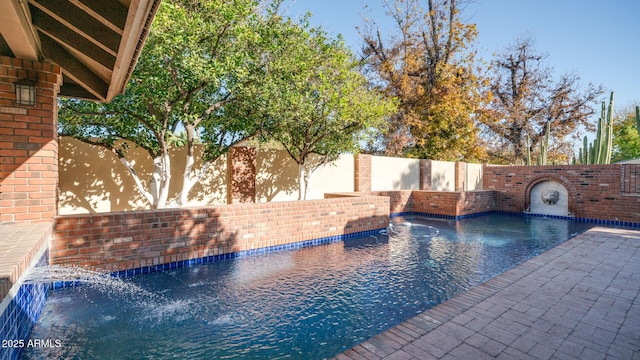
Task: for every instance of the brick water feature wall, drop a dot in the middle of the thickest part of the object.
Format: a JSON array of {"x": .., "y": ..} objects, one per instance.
[
  {"x": 606, "y": 192},
  {"x": 131, "y": 240}
]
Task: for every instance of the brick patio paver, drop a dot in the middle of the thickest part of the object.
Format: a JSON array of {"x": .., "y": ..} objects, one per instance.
[{"x": 579, "y": 300}]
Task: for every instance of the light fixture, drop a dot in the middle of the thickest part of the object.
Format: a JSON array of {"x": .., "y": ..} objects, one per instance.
[{"x": 25, "y": 92}]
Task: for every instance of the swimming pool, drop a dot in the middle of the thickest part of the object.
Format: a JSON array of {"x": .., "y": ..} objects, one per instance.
[{"x": 310, "y": 303}]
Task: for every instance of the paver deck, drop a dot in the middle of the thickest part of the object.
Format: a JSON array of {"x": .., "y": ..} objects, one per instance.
[{"x": 579, "y": 300}]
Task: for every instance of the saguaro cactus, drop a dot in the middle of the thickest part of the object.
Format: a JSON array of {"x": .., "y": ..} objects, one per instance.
[
  {"x": 528, "y": 144},
  {"x": 638, "y": 119},
  {"x": 599, "y": 152},
  {"x": 544, "y": 147}
]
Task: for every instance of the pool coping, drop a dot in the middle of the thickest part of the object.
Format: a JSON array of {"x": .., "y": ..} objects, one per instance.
[
  {"x": 614, "y": 223},
  {"x": 557, "y": 304}
]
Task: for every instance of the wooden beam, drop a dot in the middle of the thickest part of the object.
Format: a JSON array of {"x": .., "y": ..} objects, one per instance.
[
  {"x": 74, "y": 69},
  {"x": 80, "y": 22},
  {"x": 15, "y": 27},
  {"x": 109, "y": 12},
  {"x": 75, "y": 91},
  {"x": 141, "y": 14},
  {"x": 70, "y": 39}
]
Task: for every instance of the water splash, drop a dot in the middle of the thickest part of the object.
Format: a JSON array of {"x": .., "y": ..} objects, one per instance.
[
  {"x": 419, "y": 230},
  {"x": 105, "y": 283}
]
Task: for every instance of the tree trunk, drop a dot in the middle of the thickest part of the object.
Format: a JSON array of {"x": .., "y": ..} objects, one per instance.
[
  {"x": 162, "y": 176},
  {"x": 302, "y": 182},
  {"x": 187, "y": 180},
  {"x": 148, "y": 195}
]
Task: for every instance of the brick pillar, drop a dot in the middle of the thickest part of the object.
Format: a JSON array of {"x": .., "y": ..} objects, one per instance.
[
  {"x": 241, "y": 175},
  {"x": 28, "y": 143},
  {"x": 362, "y": 174},
  {"x": 425, "y": 174},
  {"x": 461, "y": 176}
]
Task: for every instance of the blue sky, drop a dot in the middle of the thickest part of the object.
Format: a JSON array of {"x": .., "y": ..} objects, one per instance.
[{"x": 598, "y": 40}]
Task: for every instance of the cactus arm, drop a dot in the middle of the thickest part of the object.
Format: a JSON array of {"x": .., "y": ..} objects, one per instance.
[
  {"x": 609, "y": 133},
  {"x": 528, "y": 150},
  {"x": 638, "y": 119},
  {"x": 597, "y": 142}
]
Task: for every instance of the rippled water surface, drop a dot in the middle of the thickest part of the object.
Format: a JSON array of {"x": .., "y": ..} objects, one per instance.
[{"x": 311, "y": 303}]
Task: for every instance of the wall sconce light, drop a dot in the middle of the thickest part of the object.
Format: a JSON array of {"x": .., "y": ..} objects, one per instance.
[{"x": 25, "y": 92}]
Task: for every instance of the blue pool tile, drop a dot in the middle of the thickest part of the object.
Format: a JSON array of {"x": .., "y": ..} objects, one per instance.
[{"x": 22, "y": 312}]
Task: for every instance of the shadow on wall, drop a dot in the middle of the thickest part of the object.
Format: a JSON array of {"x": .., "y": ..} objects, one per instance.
[
  {"x": 87, "y": 188},
  {"x": 212, "y": 187},
  {"x": 274, "y": 177},
  {"x": 168, "y": 236},
  {"x": 439, "y": 182},
  {"x": 473, "y": 177},
  {"x": 409, "y": 179},
  {"x": 277, "y": 177}
]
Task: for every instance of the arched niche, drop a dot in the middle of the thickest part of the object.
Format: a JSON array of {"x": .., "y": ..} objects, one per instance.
[{"x": 549, "y": 198}]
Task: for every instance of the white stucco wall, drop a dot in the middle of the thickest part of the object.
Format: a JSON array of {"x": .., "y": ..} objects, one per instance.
[
  {"x": 391, "y": 173},
  {"x": 335, "y": 177},
  {"x": 443, "y": 175},
  {"x": 277, "y": 177},
  {"x": 473, "y": 179}
]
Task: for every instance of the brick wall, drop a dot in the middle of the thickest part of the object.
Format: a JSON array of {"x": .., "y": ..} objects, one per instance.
[
  {"x": 440, "y": 202},
  {"x": 461, "y": 176},
  {"x": 129, "y": 240},
  {"x": 425, "y": 174},
  {"x": 362, "y": 174},
  {"x": 594, "y": 191},
  {"x": 399, "y": 201},
  {"x": 454, "y": 203},
  {"x": 28, "y": 143}
]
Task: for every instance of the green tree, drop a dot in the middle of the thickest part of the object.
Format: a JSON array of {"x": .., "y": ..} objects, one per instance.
[
  {"x": 429, "y": 66},
  {"x": 525, "y": 98},
  {"x": 318, "y": 105},
  {"x": 200, "y": 59},
  {"x": 626, "y": 140}
]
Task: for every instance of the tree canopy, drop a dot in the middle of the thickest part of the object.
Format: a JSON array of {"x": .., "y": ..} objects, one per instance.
[
  {"x": 198, "y": 61},
  {"x": 525, "y": 98},
  {"x": 626, "y": 137},
  {"x": 429, "y": 65},
  {"x": 317, "y": 103}
]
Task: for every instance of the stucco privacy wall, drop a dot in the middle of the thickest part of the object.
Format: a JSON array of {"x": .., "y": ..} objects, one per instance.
[
  {"x": 92, "y": 179},
  {"x": 277, "y": 177},
  {"x": 443, "y": 175},
  {"x": 607, "y": 192},
  {"x": 392, "y": 173},
  {"x": 473, "y": 178},
  {"x": 129, "y": 240}
]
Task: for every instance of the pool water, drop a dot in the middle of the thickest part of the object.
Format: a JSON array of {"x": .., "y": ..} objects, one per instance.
[{"x": 311, "y": 303}]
